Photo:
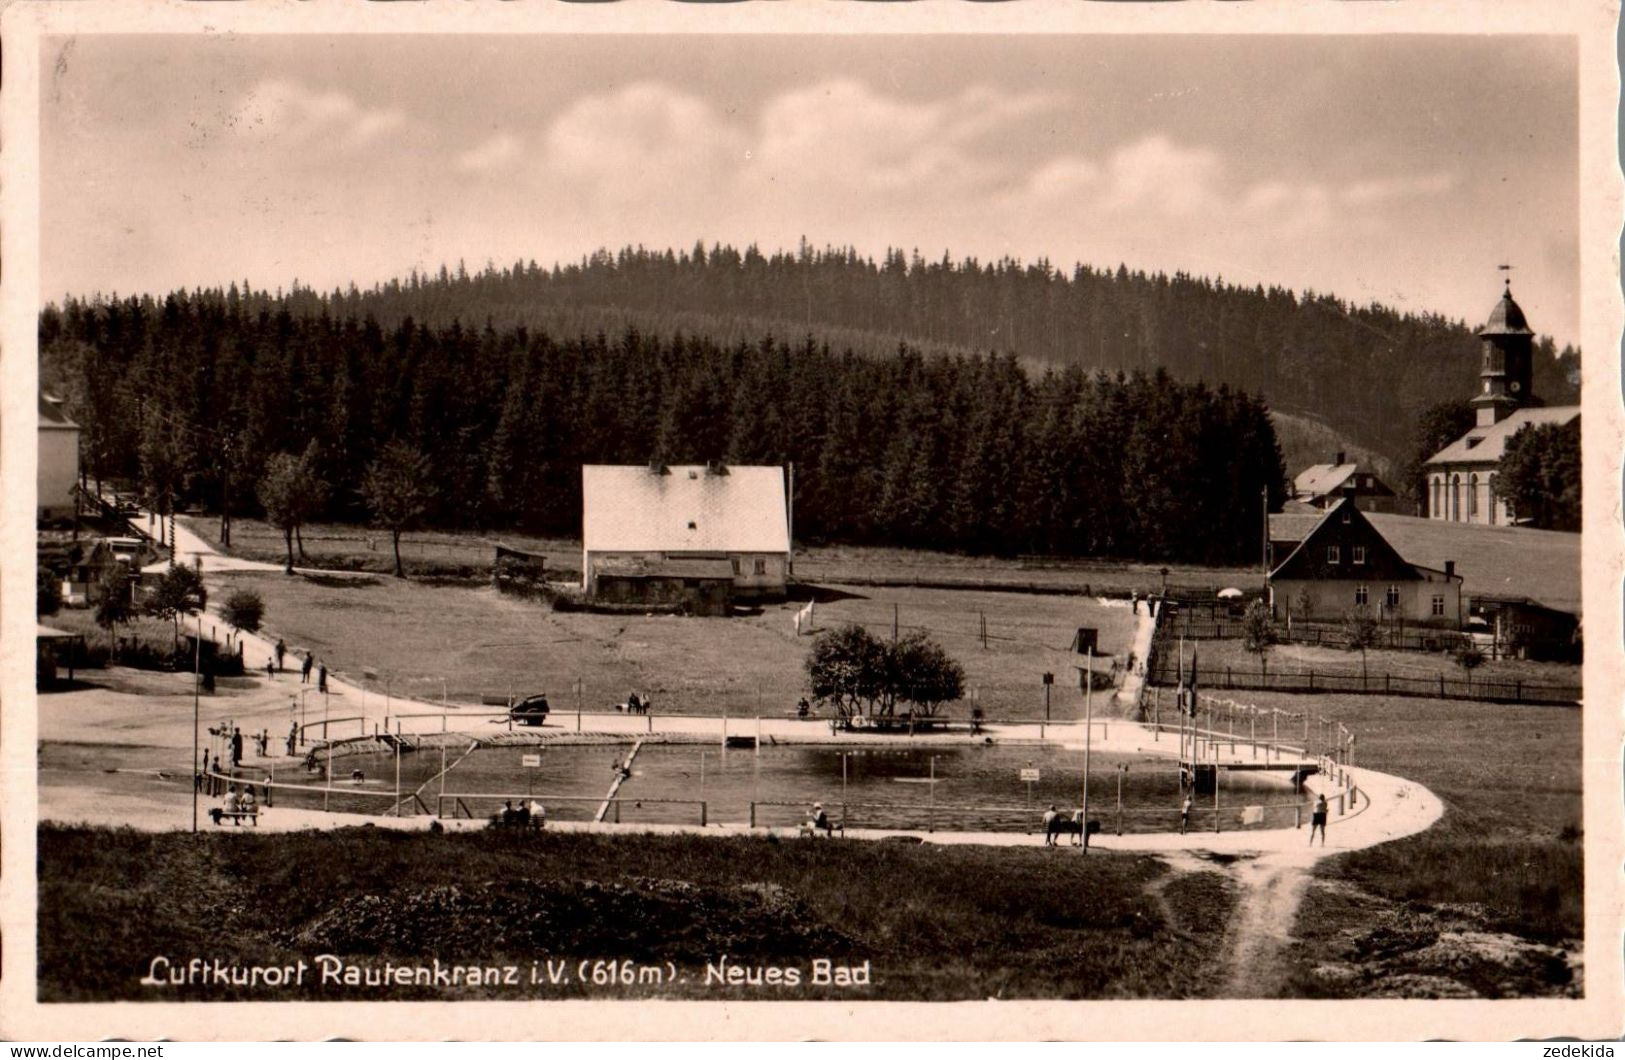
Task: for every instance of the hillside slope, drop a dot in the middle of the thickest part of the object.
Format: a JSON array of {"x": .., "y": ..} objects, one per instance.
[{"x": 1366, "y": 371}]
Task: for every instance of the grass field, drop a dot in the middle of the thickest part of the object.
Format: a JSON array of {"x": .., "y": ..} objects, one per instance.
[
  {"x": 1507, "y": 857},
  {"x": 415, "y": 635},
  {"x": 469, "y": 555},
  {"x": 934, "y": 923},
  {"x": 1215, "y": 655}
]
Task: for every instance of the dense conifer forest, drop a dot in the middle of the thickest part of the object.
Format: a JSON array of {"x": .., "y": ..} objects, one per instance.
[
  {"x": 1367, "y": 371},
  {"x": 999, "y": 406},
  {"x": 191, "y": 396}
]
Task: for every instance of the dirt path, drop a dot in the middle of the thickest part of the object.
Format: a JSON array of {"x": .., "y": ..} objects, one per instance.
[{"x": 1271, "y": 887}]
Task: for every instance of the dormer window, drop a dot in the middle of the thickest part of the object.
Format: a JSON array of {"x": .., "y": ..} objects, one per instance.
[{"x": 1332, "y": 554}]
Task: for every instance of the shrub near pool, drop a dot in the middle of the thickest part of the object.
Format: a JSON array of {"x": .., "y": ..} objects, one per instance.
[{"x": 934, "y": 923}]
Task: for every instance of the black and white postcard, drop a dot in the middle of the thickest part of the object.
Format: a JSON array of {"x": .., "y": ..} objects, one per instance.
[{"x": 750, "y": 521}]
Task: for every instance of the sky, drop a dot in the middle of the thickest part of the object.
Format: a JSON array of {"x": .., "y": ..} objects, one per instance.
[{"x": 1400, "y": 169}]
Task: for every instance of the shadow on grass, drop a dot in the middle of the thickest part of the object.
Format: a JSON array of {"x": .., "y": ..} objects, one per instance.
[
  {"x": 342, "y": 581},
  {"x": 818, "y": 594}
]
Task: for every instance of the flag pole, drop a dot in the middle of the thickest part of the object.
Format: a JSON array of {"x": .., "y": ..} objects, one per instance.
[{"x": 1088, "y": 730}]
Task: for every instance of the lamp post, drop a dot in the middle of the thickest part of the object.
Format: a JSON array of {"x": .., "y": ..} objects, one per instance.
[
  {"x": 1122, "y": 768},
  {"x": 1088, "y": 732},
  {"x": 1049, "y": 679},
  {"x": 197, "y": 679}
]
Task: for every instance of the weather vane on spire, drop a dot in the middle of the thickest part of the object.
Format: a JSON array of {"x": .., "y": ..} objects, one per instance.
[{"x": 1508, "y": 278}]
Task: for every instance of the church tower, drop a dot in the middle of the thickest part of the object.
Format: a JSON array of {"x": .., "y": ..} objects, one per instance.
[{"x": 1507, "y": 362}]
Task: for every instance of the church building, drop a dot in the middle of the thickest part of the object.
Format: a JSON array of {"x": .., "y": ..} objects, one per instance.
[{"x": 1461, "y": 476}]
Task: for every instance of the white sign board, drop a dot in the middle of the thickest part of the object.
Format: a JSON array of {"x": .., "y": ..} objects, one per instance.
[
  {"x": 530, "y": 761},
  {"x": 1029, "y": 776}
]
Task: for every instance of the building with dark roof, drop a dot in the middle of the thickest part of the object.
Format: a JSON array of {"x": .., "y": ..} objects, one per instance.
[
  {"x": 683, "y": 525},
  {"x": 58, "y": 461},
  {"x": 1323, "y": 485},
  {"x": 1341, "y": 562},
  {"x": 1461, "y": 476}
]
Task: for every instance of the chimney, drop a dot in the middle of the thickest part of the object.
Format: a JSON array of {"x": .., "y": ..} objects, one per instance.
[
  {"x": 657, "y": 468},
  {"x": 1449, "y": 569},
  {"x": 715, "y": 467},
  {"x": 1340, "y": 455}
]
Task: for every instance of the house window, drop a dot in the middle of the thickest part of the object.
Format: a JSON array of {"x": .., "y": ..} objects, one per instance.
[
  {"x": 759, "y": 566},
  {"x": 1438, "y": 607},
  {"x": 1361, "y": 596},
  {"x": 1347, "y": 518},
  {"x": 1357, "y": 553},
  {"x": 735, "y": 562},
  {"x": 1332, "y": 555},
  {"x": 1392, "y": 596}
]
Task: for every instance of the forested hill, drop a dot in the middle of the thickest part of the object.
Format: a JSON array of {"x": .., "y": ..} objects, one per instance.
[
  {"x": 192, "y": 398},
  {"x": 1367, "y": 371}
]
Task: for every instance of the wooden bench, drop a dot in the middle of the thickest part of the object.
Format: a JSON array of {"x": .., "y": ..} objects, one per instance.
[
  {"x": 811, "y": 830},
  {"x": 237, "y": 816}
]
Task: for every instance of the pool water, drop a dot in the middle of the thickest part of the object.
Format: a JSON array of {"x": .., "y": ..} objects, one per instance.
[{"x": 966, "y": 786}]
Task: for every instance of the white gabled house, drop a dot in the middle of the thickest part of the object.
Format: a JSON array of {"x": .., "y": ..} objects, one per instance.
[{"x": 650, "y": 529}]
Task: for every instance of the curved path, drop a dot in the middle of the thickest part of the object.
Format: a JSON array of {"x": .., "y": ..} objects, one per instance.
[{"x": 1270, "y": 867}]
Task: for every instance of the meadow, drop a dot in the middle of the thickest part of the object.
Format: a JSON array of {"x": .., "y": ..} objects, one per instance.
[
  {"x": 934, "y": 923},
  {"x": 1507, "y": 857},
  {"x": 423, "y": 639}
]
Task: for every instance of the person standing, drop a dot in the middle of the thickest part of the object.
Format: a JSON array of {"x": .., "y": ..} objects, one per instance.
[
  {"x": 1185, "y": 813},
  {"x": 293, "y": 738},
  {"x": 321, "y": 678},
  {"x": 1317, "y": 819},
  {"x": 1049, "y": 822},
  {"x": 304, "y": 671},
  {"x": 236, "y": 747},
  {"x": 281, "y": 653}
]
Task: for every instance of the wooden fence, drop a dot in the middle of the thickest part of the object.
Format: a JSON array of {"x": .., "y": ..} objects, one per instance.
[
  {"x": 1422, "y": 640},
  {"x": 1491, "y": 690}
]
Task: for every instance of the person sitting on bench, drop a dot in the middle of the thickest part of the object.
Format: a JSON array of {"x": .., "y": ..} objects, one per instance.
[
  {"x": 231, "y": 806},
  {"x": 819, "y": 822}
]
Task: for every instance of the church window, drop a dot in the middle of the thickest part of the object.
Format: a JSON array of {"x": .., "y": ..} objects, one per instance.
[
  {"x": 1332, "y": 554},
  {"x": 1392, "y": 596},
  {"x": 1357, "y": 554},
  {"x": 1472, "y": 496},
  {"x": 1361, "y": 596}
]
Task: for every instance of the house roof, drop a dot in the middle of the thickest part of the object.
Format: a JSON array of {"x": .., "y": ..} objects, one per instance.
[
  {"x": 1294, "y": 526},
  {"x": 1317, "y": 480},
  {"x": 1345, "y": 526},
  {"x": 683, "y": 508},
  {"x": 1486, "y": 445},
  {"x": 51, "y": 416},
  {"x": 1320, "y": 480}
]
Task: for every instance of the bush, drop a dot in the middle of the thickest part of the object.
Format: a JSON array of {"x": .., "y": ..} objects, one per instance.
[
  {"x": 244, "y": 610},
  {"x": 47, "y": 592}
]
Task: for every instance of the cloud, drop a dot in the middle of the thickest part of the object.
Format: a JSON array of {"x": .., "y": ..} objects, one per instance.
[
  {"x": 277, "y": 109},
  {"x": 642, "y": 135},
  {"x": 844, "y": 134},
  {"x": 492, "y": 153},
  {"x": 1373, "y": 191}
]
